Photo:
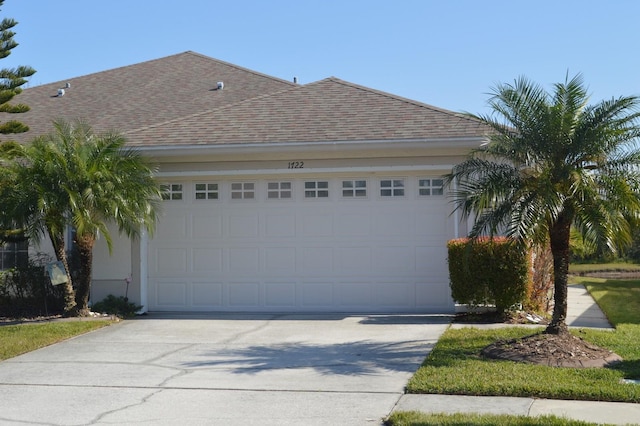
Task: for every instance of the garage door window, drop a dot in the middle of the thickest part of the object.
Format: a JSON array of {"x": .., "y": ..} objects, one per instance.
[
  {"x": 392, "y": 188},
  {"x": 277, "y": 190},
  {"x": 206, "y": 191},
  {"x": 171, "y": 191},
  {"x": 243, "y": 191},
  {"x": 316, "y": 189},
  {"x": 354, "y": 188},
  {"x": 428, "y": 187}
]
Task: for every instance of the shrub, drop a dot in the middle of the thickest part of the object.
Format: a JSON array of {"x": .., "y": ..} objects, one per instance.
[
  {"x": 119, "y": 306},
  {"x": 26, "y": 291},
  {"x": 489, "y": 271}
]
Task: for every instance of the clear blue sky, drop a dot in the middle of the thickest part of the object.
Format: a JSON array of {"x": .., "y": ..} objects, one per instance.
[{"x": 442, "y": 52}]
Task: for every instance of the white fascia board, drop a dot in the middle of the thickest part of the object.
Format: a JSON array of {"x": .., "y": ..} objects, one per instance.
[
  {"x": 316, "y": 170},
  {"x": 181, "y": 150}
]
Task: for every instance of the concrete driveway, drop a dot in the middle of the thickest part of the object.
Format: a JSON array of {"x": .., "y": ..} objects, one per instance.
[{"x": 223, "y": 369}]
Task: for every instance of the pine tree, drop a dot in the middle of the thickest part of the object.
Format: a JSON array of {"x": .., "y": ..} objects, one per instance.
[{"x": 11, "y": 79}]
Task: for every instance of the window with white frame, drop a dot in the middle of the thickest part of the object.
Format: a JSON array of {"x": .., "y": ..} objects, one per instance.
[
  {"x": 316, "y": 189},
  {"x": 354, "y": 188},
  {"x": 276, "y": 190},
  {"x": 206, "y": 191},
  {"x": 171, "y": 191},
  {"x": 392, "y": 188},
  {"x": 243, "y": 190},
  {"x": 428, "y": 187}
]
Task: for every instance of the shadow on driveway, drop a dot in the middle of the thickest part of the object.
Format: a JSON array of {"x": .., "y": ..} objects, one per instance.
[{"x": 354, "y": 358}]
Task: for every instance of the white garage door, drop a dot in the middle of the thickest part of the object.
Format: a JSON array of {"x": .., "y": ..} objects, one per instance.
[{"x": 338, "y": 244}]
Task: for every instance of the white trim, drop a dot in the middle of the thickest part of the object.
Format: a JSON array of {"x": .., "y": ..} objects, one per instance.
[
  {"x": 181, "y": 150},
  {"x": 144, "y": 270},
  {"x": 314, "y": 170},
  {"x": 456, "y": 214}
]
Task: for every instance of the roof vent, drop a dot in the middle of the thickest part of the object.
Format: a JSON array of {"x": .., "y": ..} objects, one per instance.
[
  {"x": 220, "y": 85},
  {"x": 67, "y": 85},
  {"x": 60, "y": 92},
  {"x": 295, "y": 80}
]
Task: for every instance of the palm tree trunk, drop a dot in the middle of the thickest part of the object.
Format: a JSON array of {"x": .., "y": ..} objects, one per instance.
[
  {"x": 57, "y": 241},
  {"x": 85, "y": 255},
  {"x": 559, "y": 236}
]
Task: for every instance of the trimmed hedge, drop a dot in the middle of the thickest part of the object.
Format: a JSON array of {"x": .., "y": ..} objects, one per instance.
[{"x": 489, "y": 271}]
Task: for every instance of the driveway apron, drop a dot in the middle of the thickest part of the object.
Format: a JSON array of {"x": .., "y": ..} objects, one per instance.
[{"x": 222, "y": 369}]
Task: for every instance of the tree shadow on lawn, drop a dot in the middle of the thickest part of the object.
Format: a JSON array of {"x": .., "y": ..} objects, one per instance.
[
  {"x": 630, "y": 368},
  {"x": 352, "y": 358}
]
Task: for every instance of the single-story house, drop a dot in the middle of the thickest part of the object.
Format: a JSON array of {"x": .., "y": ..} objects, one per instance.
[{"x": 280, "y": 197}]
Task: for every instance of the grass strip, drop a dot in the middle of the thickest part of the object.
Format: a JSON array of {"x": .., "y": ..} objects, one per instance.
[
  {"x": 414, "y": 418},
  {"x": 19, "y": 339}
]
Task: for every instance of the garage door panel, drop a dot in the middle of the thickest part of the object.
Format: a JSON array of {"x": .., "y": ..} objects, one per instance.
[
  {"x": 393, "y": 223},
  {"x": 394, "y": 259},
  {"x": 395, "y": 294},
  {"x": 430, "y": 260},
  {"x": 244, "y": 295},
  {"x": 172, "y": 226},
  {"x": 243, "y": 259},
  {"x": 354, "y": 259},
  {"x": 433, "y": 224},
  {"x": 171, "y": 260},
  {"x": 316, "y": 260},
  {"x": 243, "y": 225},
  {"x": 172, "y": 294},
  {"x": 354, "y": 294},
  {"x": 280, "y": 259},
  {"x": 316, "y": 225},
  {"x": 353, "y": 224},
  {"x": 433, "y": 295},
  {"x": 207, "y": 259},
  {"x": 280, "y": 294},
  {"x": 206, "y": 227},
  {"x": 280, "y": 225},
  {"x": 207, "y": 295},
  {"x": 317, "y": 294}
]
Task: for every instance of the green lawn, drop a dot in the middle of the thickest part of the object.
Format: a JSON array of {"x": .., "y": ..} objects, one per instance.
[
  {"x": 414, "y": 418},
  {"x": 580, "y": 268},
  {"x": 18, "y": 339},
  {"x": 456, "y": 367}
]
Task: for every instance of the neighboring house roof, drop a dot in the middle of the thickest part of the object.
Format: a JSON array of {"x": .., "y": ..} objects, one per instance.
[
  {"x": 142, "y": 94},
  {"x": 174, "y": 101}
]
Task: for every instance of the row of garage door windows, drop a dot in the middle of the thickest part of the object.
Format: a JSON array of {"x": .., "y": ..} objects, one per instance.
[{"x": 356, "y": 188}]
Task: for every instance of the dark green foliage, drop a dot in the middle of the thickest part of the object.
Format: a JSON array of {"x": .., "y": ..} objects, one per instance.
[
  {"x": 488, "y": 271},
  {"x": 11, "y": 79},
  {"x": 553, "y": 163},
  {"x": 119, "y": 306},
  {"x": 25, "y": 291}
]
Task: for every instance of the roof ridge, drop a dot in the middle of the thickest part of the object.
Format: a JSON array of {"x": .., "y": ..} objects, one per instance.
[
  {"x": 187, "y": 52},
  {"x": 401, "y": 98},
  {"x": 238, "y": 67}
]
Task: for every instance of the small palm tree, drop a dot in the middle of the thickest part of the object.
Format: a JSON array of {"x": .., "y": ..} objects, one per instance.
[
  {"x": 73, "y": 177},
  {"x": 554, "y": 162}
]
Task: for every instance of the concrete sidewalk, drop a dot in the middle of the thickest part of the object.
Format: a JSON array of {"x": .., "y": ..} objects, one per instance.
[{"x": 582, "y": 312}]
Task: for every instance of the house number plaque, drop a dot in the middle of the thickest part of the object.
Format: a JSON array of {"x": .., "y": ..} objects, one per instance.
[{"x": 295, "y": 165}]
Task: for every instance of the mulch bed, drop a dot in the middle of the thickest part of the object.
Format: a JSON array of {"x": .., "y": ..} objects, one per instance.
[{"x": 554, "y": 350}]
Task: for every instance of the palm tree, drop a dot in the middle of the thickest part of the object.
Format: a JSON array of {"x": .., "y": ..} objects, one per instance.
[
  {"x": 73, "y": 177},
  {"x": 554, "y": 162}
]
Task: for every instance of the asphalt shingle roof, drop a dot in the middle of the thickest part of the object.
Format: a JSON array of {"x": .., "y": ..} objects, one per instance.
[
  {"x": 174, "y": 101},
  {"x": 142, "y": 94}
]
